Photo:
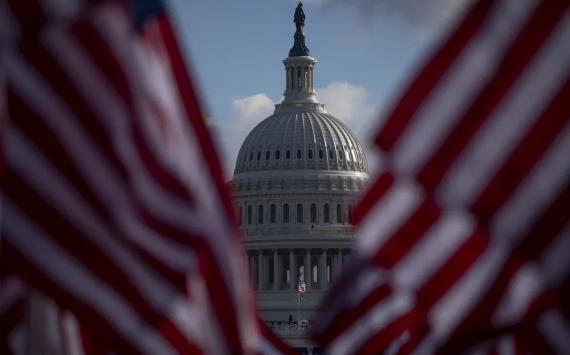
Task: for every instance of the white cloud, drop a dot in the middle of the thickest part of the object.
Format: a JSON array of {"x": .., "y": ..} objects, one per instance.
[{"x": 348, "y": 102}]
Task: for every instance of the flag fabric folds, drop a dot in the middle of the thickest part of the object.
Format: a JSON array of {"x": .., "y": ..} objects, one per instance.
[
  {"x": 113, "y": 200},
  {"x": 302, "y": 286},
  {"x": 463, "y": 237}
]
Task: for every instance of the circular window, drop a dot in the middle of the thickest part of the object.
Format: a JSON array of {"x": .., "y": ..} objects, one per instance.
[
  {"x": 321, "y": 154},
  {"x": 310, "y": 154}
]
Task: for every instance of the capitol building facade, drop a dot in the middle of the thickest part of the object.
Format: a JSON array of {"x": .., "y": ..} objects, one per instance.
[{"x": 297, "y": 177}]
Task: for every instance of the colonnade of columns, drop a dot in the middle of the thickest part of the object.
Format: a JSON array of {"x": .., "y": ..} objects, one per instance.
[
  {"x": 306, "y": 74},
  {"x": 287, "y": 263}
]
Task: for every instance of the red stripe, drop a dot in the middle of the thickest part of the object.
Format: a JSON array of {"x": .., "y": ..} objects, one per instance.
[
  {"x": 194, "y": 113},
  {"x": 172, "y": 333},
  {"x": 430, "y": 75},
  {"x": 380, "y": 341},
  {"x": 373, "y": 196},
  {"x": 408, "y": 235},
  {"x": 349, "y": 316},
  {"x": 453, "y": 269},
  {"x": 518, "y": 57}
]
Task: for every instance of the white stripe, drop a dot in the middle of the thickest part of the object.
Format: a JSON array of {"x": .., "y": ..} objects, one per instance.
[
  {"x": 378, "y": 317},
  {"x": 506, "y": 345},
  {"x": 11, "y": 290},
  {"x": 71, "y": 274},
  {"x": 185, "y": 314},
  {"x": 71, "y": 335},
  {"x": 49, "y": 184},
  {"x": 433, "y": 250},
  {"x": 428, "y": 345},
  {"x": 9, "y": 27},
  {"x": 555, "y": 258},
  {"x": 536, "y": 192},
  {"x": 475, "y": 66},
  {"x": 211, "y": 331},
  {"x": 556, "y": 331},
  {"x": 511, "y": 120},
  {"x": 369, "y": 280},
  {"x": 390, "y": 213},
  {"x": 62, "y": 9},
  {"x": 96, "y": 171},
  {"x": 466, "y": 293},
  {"x": 523, "y": 289}
]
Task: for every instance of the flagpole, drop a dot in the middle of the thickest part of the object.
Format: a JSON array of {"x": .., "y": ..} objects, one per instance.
[{"x": 299, "y": 300}]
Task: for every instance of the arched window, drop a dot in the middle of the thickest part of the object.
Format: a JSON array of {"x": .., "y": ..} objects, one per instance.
[
  {"x": 260, "y": 214},
  {"x": 267, "y": 154},
  {"x": 326, "y": 213},
  {"x": 258, "y": 156},
  {"x": 299, "y": 153},
  {"x": 273, "y": 213},
  {"x": 331, "y": 154},
  {"x": 313, "y": 213},
  {"x": 249, "y": 215},
  {"x": 277, "y": 154},
  {"x": 288, "y": 154},
  {"x": 350, "y": 214},
  {"x": 240, "y": 217},
  {"x": 299, "y": 213},
  {"x": 244, "y": 157},
  {"x": 286, "y": 213},
  {"x": 339, "y": 154},
  {"x": 321, "y": 154},
  {"x": 310, "y": 154},
  {"x": 338, "y": 213},
  {"x": 250, "y": 156}
]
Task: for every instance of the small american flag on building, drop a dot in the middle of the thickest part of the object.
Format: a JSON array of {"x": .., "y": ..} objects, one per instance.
[{"x": 302, "y": 286}]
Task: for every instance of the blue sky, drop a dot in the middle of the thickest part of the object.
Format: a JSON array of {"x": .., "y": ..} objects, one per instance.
[{"x": 364, "y": 54}]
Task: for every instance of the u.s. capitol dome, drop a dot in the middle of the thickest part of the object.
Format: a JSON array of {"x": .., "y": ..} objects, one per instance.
[{"x": 297, "y": 177}]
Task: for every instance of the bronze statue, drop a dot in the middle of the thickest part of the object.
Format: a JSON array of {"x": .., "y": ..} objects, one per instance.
[
  {"x": 299, "y": 18},
  {"x": 299, "y": 48}
]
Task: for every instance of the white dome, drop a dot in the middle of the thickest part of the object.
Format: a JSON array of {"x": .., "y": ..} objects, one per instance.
[{"x": 302, "y": 137}]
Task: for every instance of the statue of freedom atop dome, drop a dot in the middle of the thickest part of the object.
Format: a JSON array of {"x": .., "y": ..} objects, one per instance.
[
  {"x": 299, "y": 17},
  {"x": 299, "y": 47}
]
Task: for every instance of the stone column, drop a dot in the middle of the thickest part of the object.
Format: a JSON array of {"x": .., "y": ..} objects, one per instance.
[
  {"x": 276, "y": 273},
  {"x": 308, "y": 270},
  {"x": 251, "y": 269},
  {"x": 291, "y": 270},
  {"x": 323, "y": 273},
  {"x": 287, "y": 78},
  {"x": 311, "y": 79},
  {"x": 260, "y": 269}
]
